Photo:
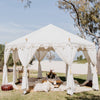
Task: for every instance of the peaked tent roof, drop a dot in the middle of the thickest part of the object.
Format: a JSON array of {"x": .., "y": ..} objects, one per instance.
[{"x": 50, "y": 34}]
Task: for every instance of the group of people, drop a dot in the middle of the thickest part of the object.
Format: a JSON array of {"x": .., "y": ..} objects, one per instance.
[{"x": 51, "y": 75}]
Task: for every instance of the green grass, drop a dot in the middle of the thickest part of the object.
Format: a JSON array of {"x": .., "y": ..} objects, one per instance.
[
  {"x": 18, "y": 95},
  {"x": 83, "y": 61}
]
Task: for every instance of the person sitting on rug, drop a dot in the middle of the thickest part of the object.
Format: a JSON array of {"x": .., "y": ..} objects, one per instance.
[{"x": 51, "y": 75}]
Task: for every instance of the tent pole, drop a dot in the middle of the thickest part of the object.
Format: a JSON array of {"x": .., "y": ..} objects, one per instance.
[
  {"x": 66, "y": 71},
  {"x": 25, "y": 85},
  {"x": 70, "y": 82},
  {"x": 5, "y": 77},
  {"x": 14, "y": 73},
  {"x": 39, "y": 70},
  {"x": 89, "y": 76}
]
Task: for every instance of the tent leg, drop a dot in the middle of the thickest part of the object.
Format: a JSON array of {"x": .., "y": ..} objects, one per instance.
[
  {"x": 5, "y": 77},
  {"x": 25, "y": 92},
  {"x": 66, "y": 71},
  {"x": 25, "y": 85},
  {"x": 70, "y": 82},
  {"x": 39, "y": 70},
  {"x": 89, "y": 76},
  {"x": 95, "y": 85},
  {"x": 14, "y": 76},
  {"x": 14, "y": 73}
]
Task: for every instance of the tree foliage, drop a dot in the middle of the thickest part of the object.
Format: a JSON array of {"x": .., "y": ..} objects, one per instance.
[
  {"x": 86, "y": 15},
  {"x": 10, "y": 60},
  {"x": 80, "y": 57},
  {"x": 1, "y": 55}
]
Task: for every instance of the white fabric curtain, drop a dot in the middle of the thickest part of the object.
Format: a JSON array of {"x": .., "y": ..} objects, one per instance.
[
  {"x": 70, "y": 80},
  {"x": 66, "y": 70},
  {"x": 64, "y": 53},
  {"x": 95, "y": 85},
  {"x": 92, "y": 55},
  {"x": 25, "y": 56},
  {"x": 86, "y": 56},
  {"x": 15, "y": 59},
  {"x": 6, "y": 57},
  {"x": 89, "y": 75},
  {"x": 40, "y": 55},
  {"x": 67, "y": 54},
  {"x": 98, "y": 60},
  {"x": 15, "y": 55}
]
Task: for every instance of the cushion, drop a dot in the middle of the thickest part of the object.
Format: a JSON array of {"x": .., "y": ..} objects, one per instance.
[{"x": 6, "y": 87}]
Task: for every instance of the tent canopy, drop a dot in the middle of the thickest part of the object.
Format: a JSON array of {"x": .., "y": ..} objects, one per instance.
[
  {"x": 38, "y": 43},
  {"x": 48, "y": 36}
]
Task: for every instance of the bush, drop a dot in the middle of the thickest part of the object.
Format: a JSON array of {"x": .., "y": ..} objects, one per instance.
[
  {"x": 80, "y": 57},
  {"x": 2, "y": 55}
]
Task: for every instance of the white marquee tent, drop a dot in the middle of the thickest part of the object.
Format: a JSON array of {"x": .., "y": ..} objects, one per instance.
[{"x": 48, "y": 38}]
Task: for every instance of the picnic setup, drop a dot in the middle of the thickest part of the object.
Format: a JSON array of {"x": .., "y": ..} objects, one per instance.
[{"x": 38, "y": 44}]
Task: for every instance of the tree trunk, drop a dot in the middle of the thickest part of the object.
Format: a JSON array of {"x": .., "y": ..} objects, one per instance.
[{"x": 98, "y": 59}]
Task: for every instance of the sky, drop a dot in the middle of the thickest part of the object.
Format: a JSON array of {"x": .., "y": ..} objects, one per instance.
[{"x": 17, "y": 21}]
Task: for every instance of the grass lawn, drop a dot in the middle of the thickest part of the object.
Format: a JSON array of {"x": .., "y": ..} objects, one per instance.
[
  {"x": 18, "y": 95},
  {"x": 83, "y": 61}
]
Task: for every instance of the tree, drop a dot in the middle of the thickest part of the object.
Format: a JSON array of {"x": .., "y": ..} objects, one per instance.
[
  {"x": 10, "y": 60},
  {"x": 80, "y": 57},
  {"x": 86, "y": 16},
  {"x": 1, "y": 56}
]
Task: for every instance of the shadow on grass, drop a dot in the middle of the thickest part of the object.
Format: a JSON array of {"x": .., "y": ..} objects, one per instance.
[
  {"x": 78, "y": 79},
  {"x": 83, "y": 96},
  {"x": 62, "y": 78}
]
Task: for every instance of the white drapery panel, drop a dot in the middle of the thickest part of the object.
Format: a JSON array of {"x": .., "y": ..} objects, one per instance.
[
  {"x": 67, "y": 54},
  {"x": 70, "y": 80},
  {"x": 86, "y": 56},
  {"x": 92, "y": 55},
  {"x": 6, "y": 57},
  {"x": 95, "y": 85},
  {"x": 15, "y": 55},
  {"x": 98, "y": 60},
  {"x": 25, "y": 56},
  {"x": 89, "y": 75},
  {"x": 66, "y": 70},
  {"x": 15, "y": 59},
  {"x": 64, "y": 53},
  {"x": 40, "y": 55}
]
